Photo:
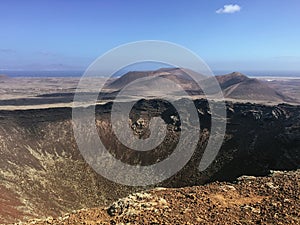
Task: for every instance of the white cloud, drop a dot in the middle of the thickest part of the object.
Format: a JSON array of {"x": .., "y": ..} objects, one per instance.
[{"x": 229, "y": 9}]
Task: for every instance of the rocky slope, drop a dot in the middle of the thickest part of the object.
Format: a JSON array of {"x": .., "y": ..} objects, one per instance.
[
  {"x": 249, "y": 200},
  {"x": 43, "y": 174}
]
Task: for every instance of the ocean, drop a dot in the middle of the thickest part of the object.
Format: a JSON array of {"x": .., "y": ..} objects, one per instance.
[{"x": 79, "y": 73}]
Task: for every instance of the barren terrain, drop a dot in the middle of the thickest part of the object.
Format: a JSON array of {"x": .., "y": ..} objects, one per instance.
[
  {"x": 31, "y": 93},
  {"x": 274, "y": 199},
  {"x": 43, "y": 174}
]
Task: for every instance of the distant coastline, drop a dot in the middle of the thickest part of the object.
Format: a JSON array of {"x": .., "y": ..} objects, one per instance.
[
  {"x": 42, "y": 73},
  {"x": 79, "y": 73},
  {"x": 263, "y": 74}
]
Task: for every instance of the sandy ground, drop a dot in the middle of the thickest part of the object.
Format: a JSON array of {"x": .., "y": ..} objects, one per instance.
[{"x": 15, "y": 93}]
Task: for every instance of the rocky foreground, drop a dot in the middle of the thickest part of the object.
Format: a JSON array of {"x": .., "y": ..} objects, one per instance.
[
  {"x": 274, "y": 199},
  {"x": 42, "y": 172}
]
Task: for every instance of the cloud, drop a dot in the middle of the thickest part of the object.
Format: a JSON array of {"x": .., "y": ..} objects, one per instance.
[
  {"x": 7, "y": 50},
  {"x": 229, "y": 9},
  {"x": 47, "y": 54}
]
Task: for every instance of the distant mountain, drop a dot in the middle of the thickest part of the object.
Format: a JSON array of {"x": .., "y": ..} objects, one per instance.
[
  {"x": 231, "y": 79},
  {"x": 234, "y": 85},
  {"x": 238, "y": 86},
  {"x": 177, "y": 75},
  {"x": 3, "y": 76}
]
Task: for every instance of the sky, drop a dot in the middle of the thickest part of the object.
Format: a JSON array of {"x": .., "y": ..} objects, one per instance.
[{"x": 240, "y": 35}]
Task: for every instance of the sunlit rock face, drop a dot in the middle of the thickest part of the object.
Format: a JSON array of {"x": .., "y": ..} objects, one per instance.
[{"x": 43, "y": 174}]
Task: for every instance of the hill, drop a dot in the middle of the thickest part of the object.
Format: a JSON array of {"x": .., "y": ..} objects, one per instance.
[
  {"x": 235, "y": 86},
  {"x": 177, "y": 75},
  {"x": 238, "y": 86}
]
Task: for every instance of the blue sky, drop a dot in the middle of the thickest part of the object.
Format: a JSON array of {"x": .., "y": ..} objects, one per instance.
[{"x": 262, "y": 35}]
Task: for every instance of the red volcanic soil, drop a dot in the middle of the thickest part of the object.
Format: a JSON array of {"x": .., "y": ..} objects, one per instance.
[
  {"x": 250, "y": 200},
  {"x": 9, "y": 204}
]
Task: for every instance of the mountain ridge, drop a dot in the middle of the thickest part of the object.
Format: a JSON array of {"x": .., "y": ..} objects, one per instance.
[{"x": 234, "y": 85}]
